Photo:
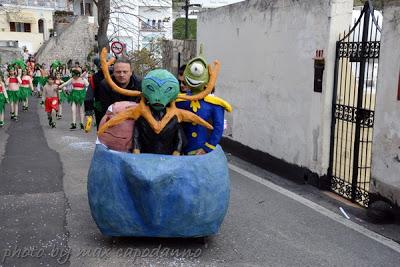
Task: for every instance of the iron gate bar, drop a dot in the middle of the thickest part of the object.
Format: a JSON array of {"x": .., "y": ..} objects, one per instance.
[
  {"x": 341, "y": 125},
  {"x": 354, "y": 96},
  {"x": 354, "y": 27},
  {"x": 349, "y": 114},
  {"x": 359, "y": 106},
  {"x": 344, "y": 101},
  {"x": 353, "y": 110},
  {"x": 333, "y": 123}
]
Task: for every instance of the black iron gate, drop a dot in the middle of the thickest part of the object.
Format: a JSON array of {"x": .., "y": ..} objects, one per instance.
[{"x": 357, "y": 58}]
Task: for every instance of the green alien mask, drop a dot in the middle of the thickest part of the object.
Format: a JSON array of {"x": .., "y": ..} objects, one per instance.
[
  {"x": 160, "y": 88},
  {"x": 196, "y": 73}
]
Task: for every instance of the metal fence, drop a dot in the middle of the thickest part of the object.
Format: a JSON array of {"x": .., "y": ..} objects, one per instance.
[{"x": 357, "y": 61}]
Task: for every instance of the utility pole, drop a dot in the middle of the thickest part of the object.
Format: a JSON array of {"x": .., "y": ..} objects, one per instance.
[
  {"x": 187, "y": 19},
  {"x": 186, "y": 8}
]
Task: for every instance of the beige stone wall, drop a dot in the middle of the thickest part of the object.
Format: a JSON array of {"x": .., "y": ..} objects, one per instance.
[
  {"x": 8, "y": 54},
  {"x": 75, "y": 42}
]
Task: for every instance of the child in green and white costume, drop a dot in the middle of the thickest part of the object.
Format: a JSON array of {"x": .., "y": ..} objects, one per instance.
[
  {"x": 65, "y": 73},
  {"x": 77, "y": 96},
  {"x": 3, "y": 100},
  {"x": 13, "y": 82},
  {"x": 37, "y": 79},
  {"x": 26, "y": 89}
]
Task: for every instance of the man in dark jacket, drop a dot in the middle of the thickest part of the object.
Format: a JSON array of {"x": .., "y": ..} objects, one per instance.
[{"x": 104, "y": 96}]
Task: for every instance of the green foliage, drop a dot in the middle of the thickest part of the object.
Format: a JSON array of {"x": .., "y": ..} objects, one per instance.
[
  {"x": 358, "y": 2},
  {"x": 179, "y": 29},
  {"x": 378, "y": 4},
  {"x": 147, "y": 58},
  {"x": 143, "y": 61},
  {"x": 177, "y": 4},
  {"x": 90, "y": 55}
]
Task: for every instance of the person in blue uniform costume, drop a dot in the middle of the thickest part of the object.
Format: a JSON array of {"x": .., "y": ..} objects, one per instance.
[{"x": 211, "y": 108}]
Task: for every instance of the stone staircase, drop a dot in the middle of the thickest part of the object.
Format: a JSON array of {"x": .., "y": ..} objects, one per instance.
[{"x": 75, "y": 42}]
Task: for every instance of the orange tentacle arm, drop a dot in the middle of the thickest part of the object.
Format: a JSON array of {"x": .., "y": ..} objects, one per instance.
[
  {"x": 104, "y": 67},
  {"x": 129, "y": 114},
  {"x": 213, "y": 71},
  {"x": 187, "y": 116}
]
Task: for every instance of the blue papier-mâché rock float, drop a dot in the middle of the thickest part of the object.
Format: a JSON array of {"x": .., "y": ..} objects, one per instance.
[{"x": 158, "y": 195}]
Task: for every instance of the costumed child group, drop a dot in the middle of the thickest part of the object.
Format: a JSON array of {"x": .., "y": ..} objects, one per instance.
[{"x": 56, "y": 85}]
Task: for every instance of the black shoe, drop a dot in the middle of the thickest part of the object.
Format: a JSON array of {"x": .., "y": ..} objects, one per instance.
[
  {"x": 53, "y": 125},
  {"x": 15, "y": 118},
  {"x": 73, "y": 126},
  {"x": 12, "y": 115},
  {"x": 50, "y": 121},
  {"x": 82, "y": 127}
]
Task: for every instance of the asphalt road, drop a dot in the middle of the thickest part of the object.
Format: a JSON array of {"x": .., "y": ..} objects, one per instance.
[
  {"x": 266, "y": 225},
  {"x": 32, "y": 200}
]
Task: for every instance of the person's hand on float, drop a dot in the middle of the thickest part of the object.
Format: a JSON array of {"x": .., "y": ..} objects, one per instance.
[
  {"x": 176, "y": 153},
  {"x": 200, "y": 152}
]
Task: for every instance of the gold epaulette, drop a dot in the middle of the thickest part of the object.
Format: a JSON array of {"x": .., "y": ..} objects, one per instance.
[{"x": 218, "y": 101}]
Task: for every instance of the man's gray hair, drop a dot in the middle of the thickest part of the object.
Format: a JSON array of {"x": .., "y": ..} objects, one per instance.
[{"x": 123, "y": 60}]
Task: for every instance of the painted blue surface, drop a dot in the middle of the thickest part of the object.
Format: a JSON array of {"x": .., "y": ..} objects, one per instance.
[{"x": 158, "y": 195}]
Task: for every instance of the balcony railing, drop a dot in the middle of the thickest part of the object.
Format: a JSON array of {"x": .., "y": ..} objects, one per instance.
[
  {"x": 158, "y": 26},
  {"x": 8, "y": 43}
]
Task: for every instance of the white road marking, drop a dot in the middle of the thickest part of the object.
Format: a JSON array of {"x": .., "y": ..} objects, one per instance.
[
  {"x": 344, "y": 213},
  {"x": 334, "y": 216}
]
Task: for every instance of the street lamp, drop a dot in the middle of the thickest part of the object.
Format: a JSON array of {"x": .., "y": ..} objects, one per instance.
[{"x": 186, "y": 8}]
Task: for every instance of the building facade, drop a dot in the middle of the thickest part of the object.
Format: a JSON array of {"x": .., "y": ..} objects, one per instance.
[
  {"x": 133, "y": 22},
  {"x": 83, "y": 8},
  {"x": 201, "y": 5},
  {"x": 137, "y": 23},
  {"x": 26, "y": 23}
]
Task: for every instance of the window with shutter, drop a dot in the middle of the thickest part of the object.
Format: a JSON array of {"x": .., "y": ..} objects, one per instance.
[
  {"x": 12, "y": 26},
  {"x": 27, "y": 27},
  {"x": 19, "y": 26}
]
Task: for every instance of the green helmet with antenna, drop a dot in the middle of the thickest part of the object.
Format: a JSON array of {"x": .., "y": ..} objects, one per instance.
[{"x": 196, "y": 73}]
